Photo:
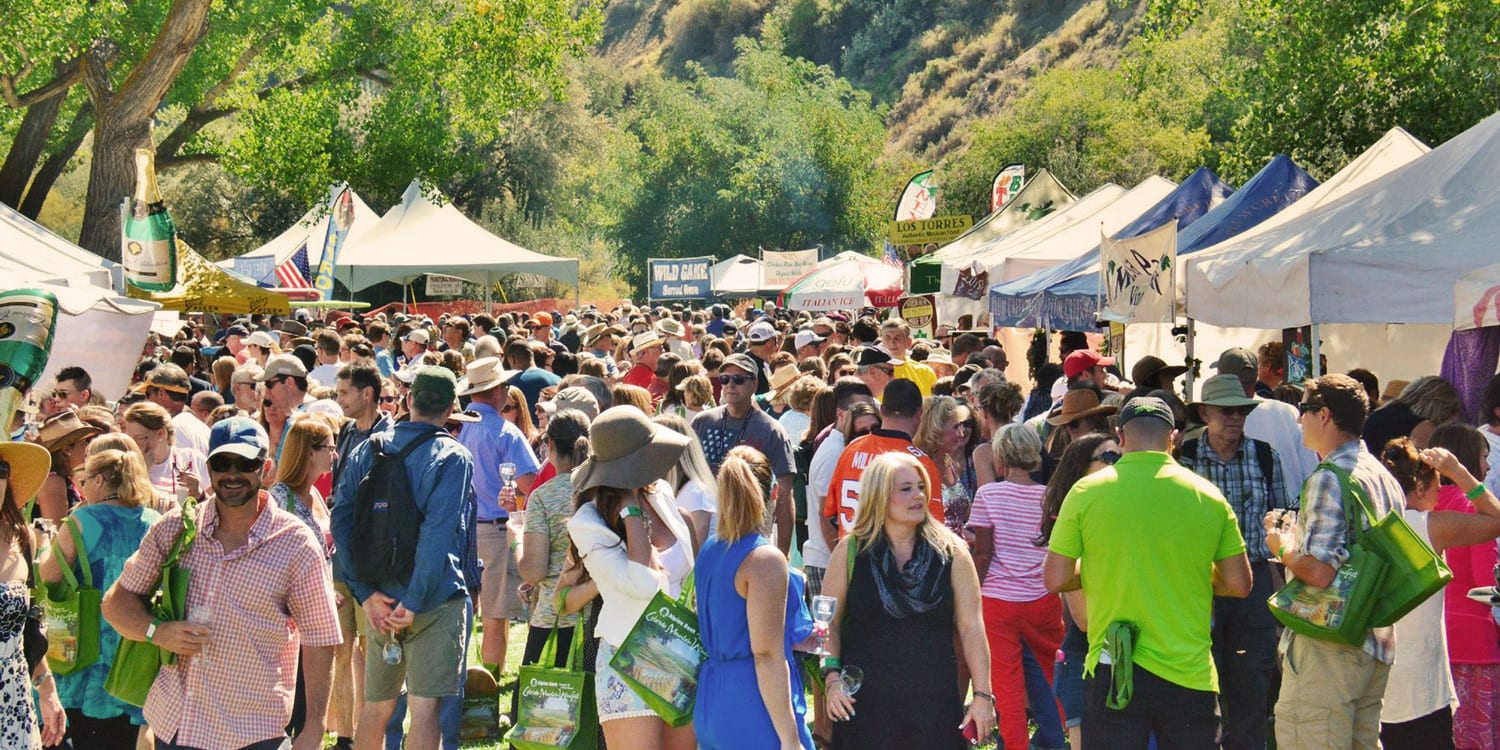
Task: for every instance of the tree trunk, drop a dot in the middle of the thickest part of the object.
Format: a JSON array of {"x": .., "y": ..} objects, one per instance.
[
  {"x": 52, "y": 168},
  {"x": 27, "y": 148},
  {"x": 123, "y": 120}
]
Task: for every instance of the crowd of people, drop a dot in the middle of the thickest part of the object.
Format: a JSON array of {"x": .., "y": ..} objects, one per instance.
[{"x": 889, "y": 543}]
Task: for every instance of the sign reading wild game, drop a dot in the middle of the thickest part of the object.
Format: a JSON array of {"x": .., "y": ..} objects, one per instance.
[{"x": 680, "y": 278}]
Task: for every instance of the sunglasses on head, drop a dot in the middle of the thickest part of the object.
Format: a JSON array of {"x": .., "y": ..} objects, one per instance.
[
  {"x": 735, "y": 379},
  {"x": 225, "y": 463},
  {"x": 1108, "y": 457}
]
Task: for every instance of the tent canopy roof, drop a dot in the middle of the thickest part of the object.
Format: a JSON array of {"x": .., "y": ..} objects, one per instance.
[
  {"x": 31, "y": 251},
  {"x": 310, "y": 229},
  {"x": 736, "y": 275},
  {"x": 419, "y": 236}
]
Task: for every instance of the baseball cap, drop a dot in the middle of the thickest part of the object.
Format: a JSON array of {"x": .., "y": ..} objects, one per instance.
[
  {"x": 282, "y": 364},
  {"x": 236, "y": 330},
  {"x": 418, "y": 336},
  {"x": 876, "y": 355},
  {"x": 806, "y": 337},
  {"x": 542, "y": 319},
  {"x": 1146, "y": 406},
  {"x": 742, "y": 361},
  {"x": 436, "y": 380},
  {"x": 261, "y": 339},
  {"x": 1082, "y": 360},
  {"x": 760, "y": 332},
  {"x": 240, "y": 436},
  {"x": 1236, "y": 359}
]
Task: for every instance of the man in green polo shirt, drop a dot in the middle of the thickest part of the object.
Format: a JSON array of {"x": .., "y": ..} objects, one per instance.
[{"x": 1150, "y": 543}]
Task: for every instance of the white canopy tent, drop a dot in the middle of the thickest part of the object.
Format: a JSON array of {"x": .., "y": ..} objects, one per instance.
[
  {"x": 29, "y": 250},
  {"x": 1388, "y": 251},
  {"x": 1047, "y": 242},
  {"x": 418, "y": 236},
  {"x": 1476, "y": 299},
  {"x": 1040, "y": 197},
  {"x": 1393, "y": 351},
  {"x": 736, "y": 276},
  {"x": 309, "y": 230}
]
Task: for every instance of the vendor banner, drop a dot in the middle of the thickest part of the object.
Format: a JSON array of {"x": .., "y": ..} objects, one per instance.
[
  {"x": 938, "y": 230},
  {"x": 920, "y": 314},
  {"x": 342, "y": 204},
  {"x": 680, "y": 278},
  {"x": 1007, "y": 183},
  {"x": 919, "y": 199},
  {"x": 779, "y": 269},
  {"x": 1139, "y": 276}
]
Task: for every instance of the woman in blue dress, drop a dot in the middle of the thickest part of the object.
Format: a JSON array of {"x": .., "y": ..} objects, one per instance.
[
  {"x": 118, "y": 492},
  {"x": 750, "y": 612}
]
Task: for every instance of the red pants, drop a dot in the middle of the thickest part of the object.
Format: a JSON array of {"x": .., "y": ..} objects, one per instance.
[{"x": 1008, "y": 624}]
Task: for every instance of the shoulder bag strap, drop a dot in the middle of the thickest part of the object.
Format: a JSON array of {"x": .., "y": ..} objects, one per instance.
[
  {"x": 686, "y": 598},
  {"x": 81, "y": 551},
  {"x": 1356, "y": 505}
]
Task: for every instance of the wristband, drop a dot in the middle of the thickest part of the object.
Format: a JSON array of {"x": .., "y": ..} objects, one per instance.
[
  {"x": 984, "y": 695},
  {"x": 631, "y": 511},
  {"x": 832, "y": 662},
  {"x": 1280, "y": 553},
  {"x": 151, "y": 629},
  {"x": 1477, "y": 492}
]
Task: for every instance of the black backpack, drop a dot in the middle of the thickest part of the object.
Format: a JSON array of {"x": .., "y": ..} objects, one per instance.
[
  {"x": 386, "y": 517},
  {"x": 1264, "y": 456}
]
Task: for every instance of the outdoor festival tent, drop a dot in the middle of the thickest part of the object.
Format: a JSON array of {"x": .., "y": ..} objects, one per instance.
[
  {"x": 419, "y": 236},
  {"x": 205, "y": 287},
  {"x": 1066, "y": 297},
  {"x": 29, "y": 250},
  {"x": 1476, "y": 299},
  {"x": 308, "y": 232},
  {"x": 737, "y": 276},
  {"x": 1042, "y": 195},
  {"x": 847, "y": 280}
]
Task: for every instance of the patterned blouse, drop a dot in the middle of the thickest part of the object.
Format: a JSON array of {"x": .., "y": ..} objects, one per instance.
[{"x": 547, "y": 512}]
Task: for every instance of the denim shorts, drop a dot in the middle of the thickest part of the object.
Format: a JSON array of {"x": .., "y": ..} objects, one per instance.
[{"x": 1067, "y": 684}]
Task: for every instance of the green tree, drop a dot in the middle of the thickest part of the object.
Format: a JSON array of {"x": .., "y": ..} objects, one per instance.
[
  {"x": 783, "y": 155},
  {"x": 1088, "y": 127},
  {"x": 372, "y": 91}
]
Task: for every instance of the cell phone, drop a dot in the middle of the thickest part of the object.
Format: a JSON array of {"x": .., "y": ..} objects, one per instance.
[{"x": 971, "y": 733}]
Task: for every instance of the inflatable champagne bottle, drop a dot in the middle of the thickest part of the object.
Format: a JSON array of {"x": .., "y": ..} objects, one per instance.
[
  {"x": 148, "y": 238},
  {"x": 28, "y": 319}
]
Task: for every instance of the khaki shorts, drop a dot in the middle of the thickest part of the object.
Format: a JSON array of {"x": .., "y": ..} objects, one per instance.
[
  {"x": 352, "y": 619},
  {"x": 432, "y": 660},
  {"x": 498, "y": 599}
]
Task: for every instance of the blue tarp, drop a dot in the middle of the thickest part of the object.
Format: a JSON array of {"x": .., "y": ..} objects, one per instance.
[{"x": 1066, "y": 297}]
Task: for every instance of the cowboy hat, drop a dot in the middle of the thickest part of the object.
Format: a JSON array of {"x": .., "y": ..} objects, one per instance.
[
  {"x": 782, "y": 378},
  {"x": 1223, "y": 390},
  {"x": 645, "y": 340},
  {"x": 29, "y": 464},
  {"x": 61, "y": 428},
  {"x": 1077, "y": 404},
  {"x": 484, "y": 374},
  {"x": 669, "y": 327},
  {"x": 1148, "y": 367},
  {"x": 628, "y": 451}
]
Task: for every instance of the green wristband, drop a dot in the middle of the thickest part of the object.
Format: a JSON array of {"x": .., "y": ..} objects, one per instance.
[
  {"x": 1477, "y": 492},
  {"x": 831, "y": 662}
]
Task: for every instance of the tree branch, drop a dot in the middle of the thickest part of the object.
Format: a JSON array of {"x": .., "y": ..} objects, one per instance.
[
  {"x": 184, "y": 26},
  {"x": 68, "y": 73}
]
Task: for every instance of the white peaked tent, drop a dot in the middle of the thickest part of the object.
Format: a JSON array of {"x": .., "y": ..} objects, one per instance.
[
  {"x": 1042, "y": 193},
  {"x": 311, "y": 229},
  {"x": 418, "y": 236},
  {"x": 737, "y": 276},
  {"x": 1047, "y": 242},
  {"x": 1389, "y": 251},
  {"x": 29, "y": 250},
  {"x": 1393, "y": 351}
]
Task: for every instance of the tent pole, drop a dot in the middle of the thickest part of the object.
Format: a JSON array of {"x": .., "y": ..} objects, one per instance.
[
  {"x": 489, "y": 289},
  {"x": 1192, "y": 369},
  {"x": 1316, "y": 366}
]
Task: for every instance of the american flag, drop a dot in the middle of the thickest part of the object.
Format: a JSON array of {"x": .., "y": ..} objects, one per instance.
[
  {"x": 891, "y": 257},
  {"x": 293, "y": 272}
]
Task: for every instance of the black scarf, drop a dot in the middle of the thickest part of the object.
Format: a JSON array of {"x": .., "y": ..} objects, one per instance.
[{"x": 913, "y": 589}]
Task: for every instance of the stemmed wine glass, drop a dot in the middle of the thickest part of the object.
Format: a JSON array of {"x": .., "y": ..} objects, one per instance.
[
  {"x": 822, "y": 611},
  {"x": 852, "y": 677}
]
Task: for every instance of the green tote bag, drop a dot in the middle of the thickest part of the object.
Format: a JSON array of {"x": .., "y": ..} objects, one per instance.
[
  {"x": 71, "y": 611},
  {"x": 556, "y": 709},
  {"x": 137, "y": 663},
  {"x": 659, "y": 659}
]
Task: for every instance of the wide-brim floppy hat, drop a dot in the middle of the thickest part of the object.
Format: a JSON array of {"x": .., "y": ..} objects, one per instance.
[
  {"x": 61, "y": 428},
  {"x": 1148, "y": 367},
  {"x": 1223, "y": 390},
  {"x": 1077, "y": 404},
  {"x": 628, "y": 451},
  {"x": 482, "y": 375},
  {"x": 29, "y": 464}
]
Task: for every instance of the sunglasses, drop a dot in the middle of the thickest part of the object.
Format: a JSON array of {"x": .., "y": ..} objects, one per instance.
[
  {"x": 509, "y": 409},
  {"x": 225, "y": 463},
  {"x": 847, "y": 372},
  {"x": 60, "y": 395},
  {"x": 1108, "y": 457},
  {"x": 387, "y": 399},
  {"x": 735, "y": 379},
  {"x": 1242, "y": 411},
  {"x": 324, "y": 446},
  {"x": 1310, "y": 406}
]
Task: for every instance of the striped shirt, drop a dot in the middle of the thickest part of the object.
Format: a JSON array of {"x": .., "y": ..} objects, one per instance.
[
  {"x": 1014, "y": 514},
  {"x": 264, "y": 600}
]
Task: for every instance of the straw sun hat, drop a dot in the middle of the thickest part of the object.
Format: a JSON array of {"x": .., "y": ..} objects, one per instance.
[
  {"x": 29, "y": 464},
  {"x": 628, "y": 451}
]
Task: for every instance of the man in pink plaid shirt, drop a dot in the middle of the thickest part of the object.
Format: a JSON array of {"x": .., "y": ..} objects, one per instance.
[{"x": 260, "y": 592}]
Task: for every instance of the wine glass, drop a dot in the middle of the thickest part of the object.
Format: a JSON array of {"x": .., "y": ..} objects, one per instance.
[
  {"x": 852, "y": 677},
  {"x": 822, "y": 611},
  {"x": 393, "y": 652},
  {"x": 507, "y": 473}
]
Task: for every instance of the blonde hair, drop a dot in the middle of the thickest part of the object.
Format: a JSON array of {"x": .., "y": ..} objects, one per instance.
[
  {"x": 742, "y": 500},
  {"x": 631, "y": 395},
  {"x": 114, "y": 441},
  {"x": 223, "y": 372},
  {"x": 800, "y": 393},
  {"x": 1017, "y": 446},
  {"x": 515, "y": 397},
  {"x": 149, "y": 415},
  {"x": 936, "y": 412},
  {"x": 1432, "y": 398},
  {"x": 124, "y": 474},
  {"x": 697, "y": 392},
  {"x": 296, "y": 450},
  {"x": 877, "y": 485}
]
